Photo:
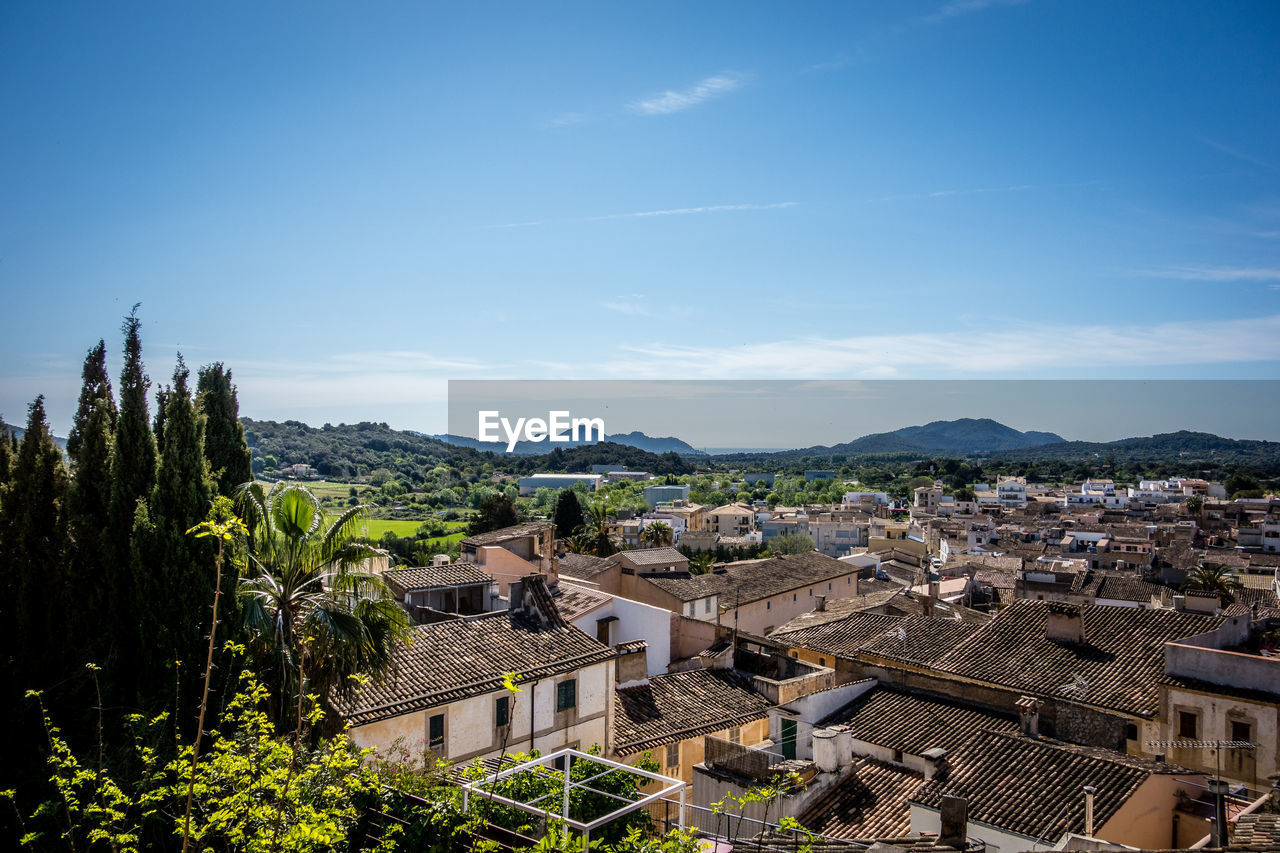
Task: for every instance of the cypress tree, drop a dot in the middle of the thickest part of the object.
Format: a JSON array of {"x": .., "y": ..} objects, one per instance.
[
  {"x": 133, "y": 466},
  {"x": 133, "y": 476},
  {"x": 224, "y": 444},
  {"x": 568, "y": 515},
  {"x": 31, "y": 530},
  {"x": 178, "y": 564},
  {"x": 89, "y": 575},
  {"x": 6, "y": 455}
]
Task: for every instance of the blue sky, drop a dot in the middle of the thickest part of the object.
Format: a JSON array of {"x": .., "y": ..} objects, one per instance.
[{"x": 350, "y": 204}]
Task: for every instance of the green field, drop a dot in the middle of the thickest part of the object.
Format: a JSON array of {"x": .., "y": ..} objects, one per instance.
[{"x": 400, "y": 527}]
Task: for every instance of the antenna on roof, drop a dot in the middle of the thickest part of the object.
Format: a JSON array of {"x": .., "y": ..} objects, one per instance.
[{"x": 1077, "y": 688}]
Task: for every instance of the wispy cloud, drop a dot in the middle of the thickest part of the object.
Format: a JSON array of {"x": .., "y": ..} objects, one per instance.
[
  {"x": 1219, "y": 274},
  {"x": 1015, "y": 188},
  {"x": 683, "y": 211},
  {"x": 1239, "y": 155},
  {"x": 673, "y": 102},
  {"x": 630, "y": 309},
  {"x": 640, "y": 214},
  {"x": 956, "y": 353},
  {"x": 566, "y": 120},
  {"x": 956, "y": 8}
]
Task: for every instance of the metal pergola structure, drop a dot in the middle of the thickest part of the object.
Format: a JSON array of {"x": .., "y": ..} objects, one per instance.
[{"x": 483, "y": 787}]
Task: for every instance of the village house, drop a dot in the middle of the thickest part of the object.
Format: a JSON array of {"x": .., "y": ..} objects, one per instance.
[
  {"x": 445, "y": 697},
  {"x": 752, "y": 595},
  {"x": 510, "y": 553},
  {"x": 443, "y": 588}
]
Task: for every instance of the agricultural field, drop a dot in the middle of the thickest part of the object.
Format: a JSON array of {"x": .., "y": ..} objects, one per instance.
[{"x": 376, "y": 528}]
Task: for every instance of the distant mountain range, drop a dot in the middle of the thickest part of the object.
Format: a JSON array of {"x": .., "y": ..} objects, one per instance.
[
  {"x": 636, "y": 439},
  {"x": 5, "y": 429}
]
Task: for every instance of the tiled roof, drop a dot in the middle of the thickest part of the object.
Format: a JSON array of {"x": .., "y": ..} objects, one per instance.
[
  {"x": 574, "y": 601},
  {"x": 843, "y": 638},
  {"x": 496, "y": 537},
  {"x": 1032, "y": 787},
  {"x": 915, "y": 722},
  {"x": 1117, "y": 587},
  {"x": 840, "y": 608},
  {"x": 654, "y": 556},
  {"x": 432, "y": 577},
  {"x": 868, "y": 804},
  {"x": 753, "y": 580},
  {"x": 1256, "y": 831},
  {"x": 448, "y": 661},
  {"x": 995, "y": 578},
  {"x": 582, "y": 566},
  {"x": 1121, "y": 659},
  {"x": 927, "y": 639},
  {"x": 682, "y": 705}
]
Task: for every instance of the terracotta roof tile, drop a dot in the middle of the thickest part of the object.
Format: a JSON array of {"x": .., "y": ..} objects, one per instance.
[
  {"x": 433, "y": 577},
  {"x": 448, "y": 661},
  {"x": 681, "y": 705},
  {"x": 1033, "y": 787},
  {"x": 915, "y": 722},
  {"x": 1121, "y": 659}
]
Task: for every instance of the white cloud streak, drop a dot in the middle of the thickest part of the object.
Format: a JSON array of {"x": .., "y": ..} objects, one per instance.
[
  {"x": 1014, "y": 350},
  {"x": 1240, "y": 155},
  {"x": 957, "y": 8},
  {"x": 683, "y": 211},
  {"x": 1217, "y": 274},
  {"x": 642, "y": 214},
  {"x": 673, "y": 102}
]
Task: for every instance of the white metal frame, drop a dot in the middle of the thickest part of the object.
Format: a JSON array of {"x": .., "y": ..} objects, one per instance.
[{"x": 670, "y": 786}]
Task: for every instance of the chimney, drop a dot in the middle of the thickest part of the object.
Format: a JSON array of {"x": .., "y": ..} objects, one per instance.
[
  {"x": 440, "y": 560},
  {"x": 935, "y": 763},
  {"x": 1029, "y": 715},
  {"x": 954, "y": 831},
  {"x": 1179, "y": 602},
  {"x": 822, "y": 603},
  {"x": 824, "y": 751},
  {"x": 1066, "y": 622},
  {"x": 844, "y": 745},
  {"x": 516, "y": 597},
  {"x": 631, "y": 667},
  {"x": 1088, "y": 810}
]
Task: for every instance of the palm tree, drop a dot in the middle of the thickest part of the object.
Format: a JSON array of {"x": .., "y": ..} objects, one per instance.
[
  {"x": 1211, "y": 577},
  {"x": 596, "y": 530},
  {"x": 700, "y": 564},
  {"x": 658, "y": 533},
  {"x": 314, "y": 618}
]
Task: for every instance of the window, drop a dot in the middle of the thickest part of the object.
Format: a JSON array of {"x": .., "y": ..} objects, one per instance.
[
  {"x": 706, "y": 606},
  {"x": 693, "y": 608},
  {"x": 735, "y": 735},
  {"x": 768, "y": 605},
  {"x": 1187, "y": 725},
  {"x": 793, "y": 596},
  {"x": 1241, "y": 730},
  {"x": 435, "y": 731},
  {"x": 897, "y": 756},
  {"x": 502, "y": 711},
  {"x": 822, "y": 661},
  {"x": 566, "y": 695},
  {"x": 673, "y": 756},
  {"x": 1131, "y": 731},
  {"x": 828, "y": 586}
]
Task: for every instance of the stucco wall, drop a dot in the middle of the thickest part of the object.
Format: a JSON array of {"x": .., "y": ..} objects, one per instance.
[
  {"x": 1146, "y": 818},
  {"x": 636, "y": 621}
]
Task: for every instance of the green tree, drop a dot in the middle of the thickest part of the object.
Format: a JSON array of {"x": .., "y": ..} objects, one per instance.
[
  {"x": 314, "y": 619},
  {"x": 31, "y": 545},
  {"x": 658, "y": 533},
  {"x": 133, "y": 476},
  {"x": 174, "y": 583},
  {"x": 791, "y": 543},
  {"x": 224, "y": 442},
  {"x": 494, "y": 512},
  {"x": 90, "y": 571},
  {"x": 600, "y": 541},
  {"x": 568, "y": 515},
  {"x": 1213, "y": 578}
]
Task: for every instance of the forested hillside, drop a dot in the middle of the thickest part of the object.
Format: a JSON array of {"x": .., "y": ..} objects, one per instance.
[{"x": 363, "y": 451}]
